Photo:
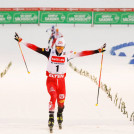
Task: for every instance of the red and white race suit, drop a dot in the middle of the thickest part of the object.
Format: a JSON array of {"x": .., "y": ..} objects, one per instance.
[
  {"x": 55, "y": 36},
  {"x": 56, "y": 71}
]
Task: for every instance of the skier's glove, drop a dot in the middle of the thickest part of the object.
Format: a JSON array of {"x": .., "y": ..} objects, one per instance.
[
  {"x": 17, "y": 38},
  {"x": 102, "y": 49}
]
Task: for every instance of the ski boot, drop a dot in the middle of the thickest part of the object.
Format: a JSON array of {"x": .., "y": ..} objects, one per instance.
[
  {"x": 51, "y": 122},
  {"x": 59, "y": 119}
]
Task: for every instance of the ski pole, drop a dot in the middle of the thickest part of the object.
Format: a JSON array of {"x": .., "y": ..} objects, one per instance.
[
  {"x": 23, "y": 58},
  {"x": 99, "y": 80}
]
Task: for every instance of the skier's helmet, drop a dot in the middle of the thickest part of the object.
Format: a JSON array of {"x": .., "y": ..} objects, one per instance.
[
  {"x": 52, "y": 26},
  {"x": 60, "y": 42},
  {"x": 57, "y": 30}
]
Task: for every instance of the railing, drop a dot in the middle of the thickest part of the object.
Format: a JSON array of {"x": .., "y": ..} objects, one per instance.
[
  {"x": 114, "y": 98},
  {"x": 2, "y": 74}
]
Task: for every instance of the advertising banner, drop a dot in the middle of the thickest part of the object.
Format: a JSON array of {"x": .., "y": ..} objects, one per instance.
[
  {"x": 65, "y": 17},
  {"x": 106, "y": 18},
  {"x": 18, "y": 17},
  {"x": 113, "y": 18}
]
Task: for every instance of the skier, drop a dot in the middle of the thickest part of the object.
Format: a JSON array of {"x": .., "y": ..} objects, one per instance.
[
  {"x": 54, "y": 35},
  {"x": 56, "y": 73},
  {"x": 52, "y": 29}
]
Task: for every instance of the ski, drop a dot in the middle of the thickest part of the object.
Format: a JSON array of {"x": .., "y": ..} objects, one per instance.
[
  {"x": 60, "y": 126},
  {"x": 51, "y": 129},
  {"x": 51, "y": 122}
]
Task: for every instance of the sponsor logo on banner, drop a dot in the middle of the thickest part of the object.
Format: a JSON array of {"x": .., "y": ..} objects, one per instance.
[
  {"x": 61, "y": 96},
  {"x": 58, "y": 59}
]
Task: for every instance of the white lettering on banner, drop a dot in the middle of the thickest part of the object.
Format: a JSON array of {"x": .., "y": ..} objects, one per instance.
[
  {"x": 106, "y": 16},
  {"x": 52, "y": 15},
  {"x": 51, "y": 19},
  {"x": 105, "y": 19},
  {"x": 78, "y": 16},
  {"x": 1, "y": 19},
  {"x": 61, "y": 96},
  {"x": 129, "y": 18}
]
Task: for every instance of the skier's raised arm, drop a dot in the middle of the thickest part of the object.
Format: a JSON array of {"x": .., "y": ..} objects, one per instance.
[
  {"x": 86, "y": 53},
  {"x": 44, "y": 51},
  {"x": 52, "y": 29}
]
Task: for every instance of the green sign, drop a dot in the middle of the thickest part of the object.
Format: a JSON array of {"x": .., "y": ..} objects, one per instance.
[
  {"x": 127, "y": 18},
  {"x": 52, "y": 17},
  {"x": 79, "y": 17},
  {"x": 106, "y": 17},
  {"x": 65, "y": 17},
  {"x": 5, "y": 17},
  {"x": 17, "y": 17},
  {"x": 69, "y": 17},
  {"x": 113, "y": 17}
]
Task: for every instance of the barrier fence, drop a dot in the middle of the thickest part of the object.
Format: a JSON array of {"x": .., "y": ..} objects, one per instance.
[
  {"x": 119, "y": 102},
  {"x": 2, "y": 74},
  {"x": 67, "y": 15}
]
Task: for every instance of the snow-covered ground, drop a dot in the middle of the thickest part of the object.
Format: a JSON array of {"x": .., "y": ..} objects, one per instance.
[{"x": 24, "y": 98}]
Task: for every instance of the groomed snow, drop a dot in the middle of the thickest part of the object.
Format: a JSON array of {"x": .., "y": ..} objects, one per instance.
[{"x": 24, "y": 98}]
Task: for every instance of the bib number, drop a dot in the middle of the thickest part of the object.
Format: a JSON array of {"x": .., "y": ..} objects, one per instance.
[{"x": 57, "y": 68}]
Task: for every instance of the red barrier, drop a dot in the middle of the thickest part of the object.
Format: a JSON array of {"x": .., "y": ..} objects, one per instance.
[
  {"x": 19, "y": 9},
  {"x": 113, "y": 9},
  {"x": 70, "y": 9},
  {"x": 65, "y": 9}
]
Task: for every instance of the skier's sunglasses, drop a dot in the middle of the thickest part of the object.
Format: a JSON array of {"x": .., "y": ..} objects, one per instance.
[{"x": 59, "y": 47}]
